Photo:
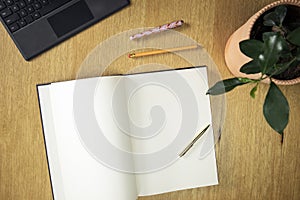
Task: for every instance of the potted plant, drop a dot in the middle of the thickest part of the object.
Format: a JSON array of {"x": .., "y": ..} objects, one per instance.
[{"x": 269, "y": 53}]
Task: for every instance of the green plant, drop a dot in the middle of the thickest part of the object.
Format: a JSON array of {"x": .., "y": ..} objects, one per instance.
[{"x": 277, "y": 52}]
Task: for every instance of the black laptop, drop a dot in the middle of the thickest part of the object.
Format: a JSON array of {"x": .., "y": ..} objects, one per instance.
[{"x": 37, "y": 25}]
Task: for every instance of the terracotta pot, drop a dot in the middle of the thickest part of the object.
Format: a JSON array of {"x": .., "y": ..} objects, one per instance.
[{"x": 235, "y": 59}]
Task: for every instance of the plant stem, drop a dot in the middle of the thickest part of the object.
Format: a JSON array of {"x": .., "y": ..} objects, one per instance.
[
  {"x": 264, "y": 76},
  {"x": 293, "y": 60}
]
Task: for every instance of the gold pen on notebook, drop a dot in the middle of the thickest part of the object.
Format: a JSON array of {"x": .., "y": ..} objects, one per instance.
[{"x": 189, "y": 146}]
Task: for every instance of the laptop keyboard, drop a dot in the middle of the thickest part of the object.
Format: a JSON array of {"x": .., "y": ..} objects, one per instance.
[{"x": 17, "y": 14}]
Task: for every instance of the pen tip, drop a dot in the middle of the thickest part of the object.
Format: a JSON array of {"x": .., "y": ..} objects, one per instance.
[
  {"x": 207, "y": 127},
  {"x": 131, "y": 55}
]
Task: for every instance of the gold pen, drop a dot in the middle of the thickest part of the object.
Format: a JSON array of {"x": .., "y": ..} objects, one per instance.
[
  {"x": 160, "y": 51},
  {"x": 189, "y": 146}
]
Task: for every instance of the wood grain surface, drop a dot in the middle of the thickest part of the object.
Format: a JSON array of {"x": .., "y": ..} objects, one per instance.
[{"x": 252, "y": 161}]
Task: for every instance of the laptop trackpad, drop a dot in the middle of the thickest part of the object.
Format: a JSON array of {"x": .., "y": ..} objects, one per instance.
[{"x": 70, "y": 18}]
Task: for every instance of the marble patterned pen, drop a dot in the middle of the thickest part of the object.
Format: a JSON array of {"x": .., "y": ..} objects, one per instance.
[{"x": 158, "y": 29}]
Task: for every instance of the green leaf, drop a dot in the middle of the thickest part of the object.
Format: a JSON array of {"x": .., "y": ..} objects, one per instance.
[
  {"x": 281, "y": 13},
  {"x": 271, "y": 19},
  {"x": 294, "y": 37},
  {"x": 251, "y": 67},
  {"x": 269, "y": 23},
  {"x": 245, "y": 80},
  {"x": 276, "y": 109},
  {"x": 276, "y": 17},
  {"x": 274, "y": 45},
  {"x": 252, "y": 92},
  {"x": 225, "y": 86},
  {"x": 251, "y": 48}
]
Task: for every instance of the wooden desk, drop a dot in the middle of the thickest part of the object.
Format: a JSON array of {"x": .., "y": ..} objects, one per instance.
[{"x": 252, "y": 162}]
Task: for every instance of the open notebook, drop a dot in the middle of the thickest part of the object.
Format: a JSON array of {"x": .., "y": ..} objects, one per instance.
[{"x": 119, "y": 137}]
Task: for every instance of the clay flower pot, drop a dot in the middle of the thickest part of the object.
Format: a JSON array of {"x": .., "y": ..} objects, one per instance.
[{"x": 235, "y": 59}]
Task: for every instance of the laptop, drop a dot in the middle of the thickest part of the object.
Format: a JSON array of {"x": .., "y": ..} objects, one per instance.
[{"x": 37, "y": 25}]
